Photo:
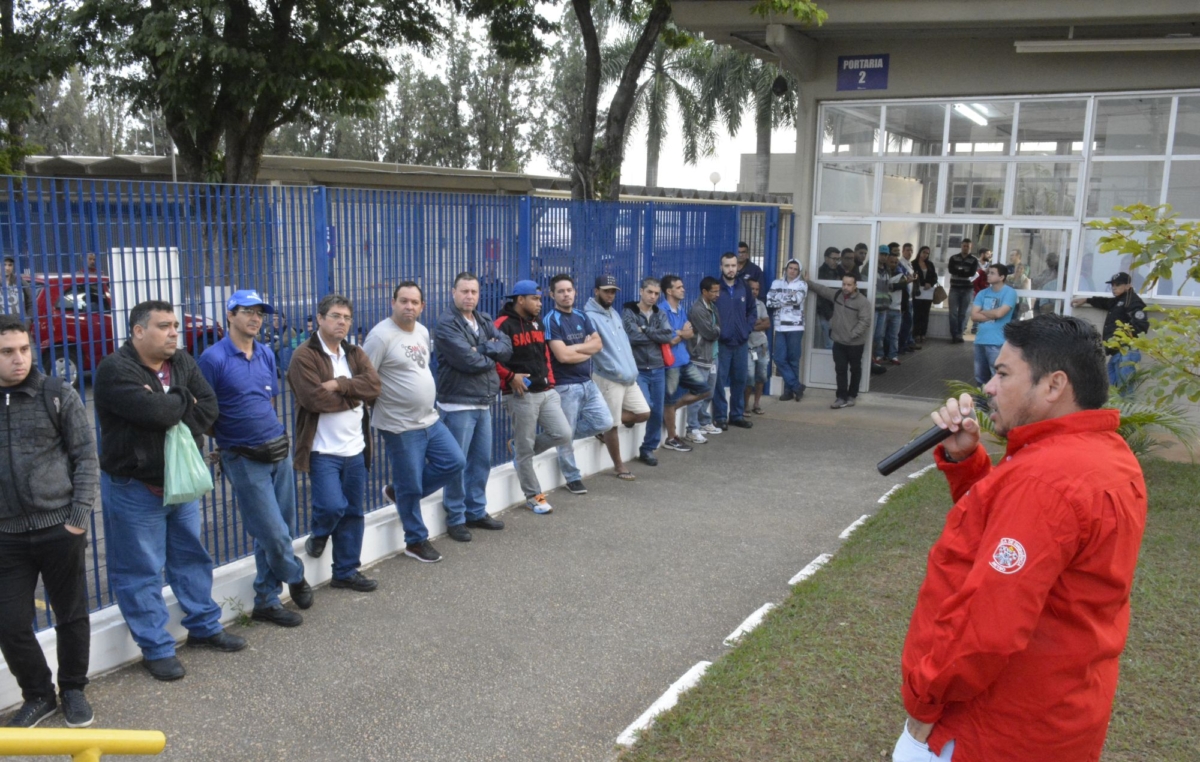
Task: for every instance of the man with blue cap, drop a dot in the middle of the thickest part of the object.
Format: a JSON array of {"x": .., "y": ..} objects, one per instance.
[{"x": 256, "y": 455}]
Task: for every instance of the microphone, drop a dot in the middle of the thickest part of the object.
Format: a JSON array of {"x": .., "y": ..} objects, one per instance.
[{"x": 921, "y": 444}]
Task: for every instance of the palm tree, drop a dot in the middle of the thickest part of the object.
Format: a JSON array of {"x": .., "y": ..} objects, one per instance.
[
  {"x": 733, "y": 80},
  {"x": 674, "y": 73}
]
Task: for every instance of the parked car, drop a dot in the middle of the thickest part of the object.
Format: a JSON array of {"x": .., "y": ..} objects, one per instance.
[{"x": 73, "y": 323}]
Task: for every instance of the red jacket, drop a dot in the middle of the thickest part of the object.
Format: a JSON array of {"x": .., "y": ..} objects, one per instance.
[{"x": 1013, "y": 645}]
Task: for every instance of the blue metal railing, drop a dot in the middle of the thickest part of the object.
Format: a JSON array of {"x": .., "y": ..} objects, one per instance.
[{"x": 193, "y": 244}]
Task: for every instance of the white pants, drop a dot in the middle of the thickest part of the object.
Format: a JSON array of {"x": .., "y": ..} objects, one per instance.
[{"x": 909, "y": 749}]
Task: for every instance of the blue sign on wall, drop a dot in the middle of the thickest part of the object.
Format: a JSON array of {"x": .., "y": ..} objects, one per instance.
[{"x": 869, "y": 72}]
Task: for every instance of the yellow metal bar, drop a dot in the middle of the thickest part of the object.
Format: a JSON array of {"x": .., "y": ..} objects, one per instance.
[{"x": 83, "y": 745}]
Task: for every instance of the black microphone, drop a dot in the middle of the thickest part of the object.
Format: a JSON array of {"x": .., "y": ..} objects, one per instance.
[{"x": 921, "y": 444}]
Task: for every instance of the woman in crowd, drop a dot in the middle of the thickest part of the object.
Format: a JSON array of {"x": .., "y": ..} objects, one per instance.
[{"x": 926, "y": 282}]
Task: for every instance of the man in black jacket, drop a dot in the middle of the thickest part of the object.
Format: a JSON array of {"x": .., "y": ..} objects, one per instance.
[
  {"x": 467, "y": 347},
  {"x": 648, "y": 329},
  {"x": 1124, "y": 306},
  {"x": 963, "y": 267},
  {"x": 49, "y": 471},
  {"x": 143, "y": 389}
]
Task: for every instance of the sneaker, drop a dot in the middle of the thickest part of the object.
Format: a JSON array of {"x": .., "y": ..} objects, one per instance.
[
  {"x": 389, "y": 494},
  {"x": 276, "y": 614},
  {"x": 32, "y": 712},
  {"x": 357, "y": 583},
  {"x": 849, "y": 403},
  {"x": 894, "y": 360},
  {"x": 677, "y": 444},
  {"x": 838, "y": 404},
  {"x": 710, "y": 429},
  {"x": 76, "y": 709},
  {"x": 423, "y": 552},
  {"x": 487, "y": 522},
  {"x": 538, "y": 504},
  {"x": 459, "y": 533},
  {"x": 576, "y": 488},
  {"x": 222, "y": 641},
  {"x": 696, "y": 436}
]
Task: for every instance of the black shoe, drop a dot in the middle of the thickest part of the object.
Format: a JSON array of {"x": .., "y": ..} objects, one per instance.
[
  {"x": 787, "y": 396},
  {"x": 800, "y": 393},
  {"x": 358, "y": 583},
  {"x": 315, "y": 546},
  {"x": 32, "y": 712},
  {"x": 648, "y": 459},
  {"x": 301, "y": 593},
  {"x": 722, "y": 425},
  {"x": 576, "y": 488},
  {"x": 277, "y": 615},
  {"x": 741, "y": 423},
  {"x": 222, "y": 641},
  {"x": 459, "y": 533},
  {"x": 423, "y": 552},
  {"x": 166, "y": 669},
  {"x": 487, "y": 522},
  {"x": 76, "y": 709}
]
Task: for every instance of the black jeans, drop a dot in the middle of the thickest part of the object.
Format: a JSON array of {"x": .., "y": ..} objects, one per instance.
[
  {"x": 848, "y": 356},
  {"x": 921, "y": 308},
  {"x": 59, "y": 557}
]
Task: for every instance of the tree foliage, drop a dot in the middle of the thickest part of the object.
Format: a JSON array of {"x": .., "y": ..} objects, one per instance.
[
  {"x": 70, "y": 118},
  {"x": 1156, "y": 240},
  {"x": 227, "y": 73},
  {"x": 34, "y": 49}
]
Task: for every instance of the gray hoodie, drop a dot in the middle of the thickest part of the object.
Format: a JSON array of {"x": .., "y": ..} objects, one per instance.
[{"x": 706, "y": 322}]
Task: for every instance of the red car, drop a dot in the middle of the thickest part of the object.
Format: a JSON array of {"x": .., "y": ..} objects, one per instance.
[{"x": 73, "y": 323}]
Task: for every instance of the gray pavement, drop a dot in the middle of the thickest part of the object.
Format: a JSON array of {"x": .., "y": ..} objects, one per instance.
[{"x": 543, "y": 641}]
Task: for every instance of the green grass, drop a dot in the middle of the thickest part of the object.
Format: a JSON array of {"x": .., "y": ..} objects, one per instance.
[{"x": 819, "y": 679}]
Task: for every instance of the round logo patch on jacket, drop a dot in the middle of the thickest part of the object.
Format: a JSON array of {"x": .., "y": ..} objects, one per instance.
[{"x": 1009, "y": 556}]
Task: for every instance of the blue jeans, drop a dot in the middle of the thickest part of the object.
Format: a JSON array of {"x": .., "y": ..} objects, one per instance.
[
  {"x": 337, "y": 507},
  {"x": 465, "y": 496},
  {"x": 684, "y": 380},
  {"x": 423, "y": 461},
  {"x": 1121, "y": 367},
  {"x": 588, "y": 415},
  {"x": 959, "y": 303},
  {"x": 887, "y": 334},
  {"x": 731, "y": 372},
  {"x": 266, "y": 499},
  {"x": 985, "y": 362},
  {"x": 906, "y": 325},
  {"x": 700, "y": 413},
  {"x": 788, "y": 347},
  {"x": 142, "y": 536},
  {"x": 653, "y": 384}
]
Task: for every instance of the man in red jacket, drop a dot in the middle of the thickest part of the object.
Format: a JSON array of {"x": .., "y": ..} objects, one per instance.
[{"x": 1012, "y": 650}]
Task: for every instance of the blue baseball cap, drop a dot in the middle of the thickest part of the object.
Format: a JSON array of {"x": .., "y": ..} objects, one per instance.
[
  {"x": 526, "y": 288},
  {"x": 247, "y": 298},
  {"x": 884, "y": 250}
]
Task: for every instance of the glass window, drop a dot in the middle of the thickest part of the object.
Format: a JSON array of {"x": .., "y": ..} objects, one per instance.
[
  {"x": 910, "y": 188},
  {"x": 1097, "y": 268},
  {"x": 1046, "y": 189},
  {"x": 1038, "y": 258},
  {"x": 850, "y": 131},
  {"x": 914, "y": 130},
  {"x": 847, "y": 187},
  {"x": 853, "y": 240},
  {"x": 1051, "y": 128},
  {"x": 1121, "y": 183},
  {"x": 1131, "y": 126},
  {"x": 1183, "y": 189},
  {"x": 1187, "y": 127},
  {"x": 975, "y": 188},
  {"x": 980, "y": 129}
]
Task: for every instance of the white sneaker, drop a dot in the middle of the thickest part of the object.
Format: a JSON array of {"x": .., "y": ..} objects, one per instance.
[
  {"x": 710, "y": 429},
  {"x": 695, "y": 435}
]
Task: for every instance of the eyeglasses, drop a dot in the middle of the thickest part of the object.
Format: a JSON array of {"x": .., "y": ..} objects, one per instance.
[
  {"x": 252, "y": 313},
  {"x": 337, "y": 317}
]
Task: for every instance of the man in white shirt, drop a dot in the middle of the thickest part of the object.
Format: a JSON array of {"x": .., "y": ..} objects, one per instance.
[
  {"x": 423, "y": 454},
  {"x": 334, "y": 382}
]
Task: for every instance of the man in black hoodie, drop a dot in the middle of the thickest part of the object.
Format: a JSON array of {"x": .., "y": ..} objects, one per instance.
[
  {"x": 143, "y": 389},
  {"x": 527, "y": 386},
  {"x": 1123, "y": 307},
  {"x": 648, "y": 329}
]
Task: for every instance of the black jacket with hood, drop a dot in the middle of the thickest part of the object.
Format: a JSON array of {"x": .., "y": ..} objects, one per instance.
[{"x": 530, "y": 351}]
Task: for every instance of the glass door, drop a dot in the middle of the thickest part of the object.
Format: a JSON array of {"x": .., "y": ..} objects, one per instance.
[
  {"x": 853, "y": 244},
  {"x": 1039, "y": 259}
]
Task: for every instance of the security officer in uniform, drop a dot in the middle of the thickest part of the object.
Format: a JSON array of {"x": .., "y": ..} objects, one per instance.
[{"x": 1124, "y": 306}]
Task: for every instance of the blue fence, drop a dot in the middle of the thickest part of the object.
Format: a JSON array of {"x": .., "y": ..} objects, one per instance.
[{"x": 85, "y": 251}]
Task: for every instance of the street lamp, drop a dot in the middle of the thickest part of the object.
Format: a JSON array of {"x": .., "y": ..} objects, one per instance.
[{"x": 714, "y": 178}]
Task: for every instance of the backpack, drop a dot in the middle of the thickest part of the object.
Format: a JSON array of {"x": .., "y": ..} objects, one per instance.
[{"x": 52, "y": 394}]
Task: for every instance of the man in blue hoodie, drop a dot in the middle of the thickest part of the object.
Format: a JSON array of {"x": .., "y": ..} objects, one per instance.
[
  {"x": 614, "y": 369},
  {"x": 738, "y": 312}
]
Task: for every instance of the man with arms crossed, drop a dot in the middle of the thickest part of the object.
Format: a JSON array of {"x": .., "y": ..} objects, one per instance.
[
  {"x": 468, "y": 347},
  {"x": 648, "y": 329},
  {"x": 991, "y": 311},
  {"x": 50, "y": 475},
  {"x": 255, "y": 456},
  {"x": 573, "y": 341},
  {"x": 334, "y": 382},
  {"x": 1012, "y": 652},
  {"x": 143, "y": 389},
  {"x": 422, "y": 452}
]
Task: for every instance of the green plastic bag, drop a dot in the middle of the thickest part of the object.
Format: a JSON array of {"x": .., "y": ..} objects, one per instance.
[{"x": 187, "y": 477}]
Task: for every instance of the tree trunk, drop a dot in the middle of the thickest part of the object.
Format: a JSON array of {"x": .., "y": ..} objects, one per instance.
[
  {"x": 762, "y": 148},
  {"x": 582, "y": 182},
  {"x": 652, "y": 149},
  {"x": 612, "y": 151}
]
